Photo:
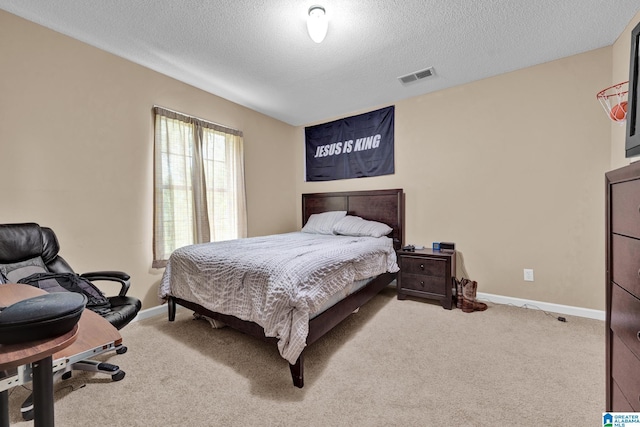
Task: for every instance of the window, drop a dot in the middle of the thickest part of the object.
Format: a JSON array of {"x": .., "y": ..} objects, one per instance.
[{"x": 199, "y": 183}]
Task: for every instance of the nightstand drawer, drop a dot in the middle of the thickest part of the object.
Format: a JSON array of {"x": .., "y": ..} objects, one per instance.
[
  {"x": 623, "y": 369},
  {"x": 424, "y": 283},
  {"x": 625, "y": 318},
  {"x": 424, "y": 266}
]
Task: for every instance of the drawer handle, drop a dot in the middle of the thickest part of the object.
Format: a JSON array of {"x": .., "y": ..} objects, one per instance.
[
  {"x": 422, "y": 268},
  {"x": 422, "y": 284},
  {"x": 638, "y": 335}
]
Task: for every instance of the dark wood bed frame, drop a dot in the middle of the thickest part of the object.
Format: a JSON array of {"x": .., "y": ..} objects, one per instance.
[{"x": 385, "y": 206}]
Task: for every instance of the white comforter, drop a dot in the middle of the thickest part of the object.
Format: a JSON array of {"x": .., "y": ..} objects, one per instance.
[{"x": 275, "y": 281}]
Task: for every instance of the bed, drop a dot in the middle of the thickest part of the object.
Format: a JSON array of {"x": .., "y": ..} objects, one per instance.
[{"x": 383, "y": 206}]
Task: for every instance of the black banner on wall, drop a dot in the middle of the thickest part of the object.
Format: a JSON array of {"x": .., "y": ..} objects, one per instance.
[{"x": 353, "y": 147}]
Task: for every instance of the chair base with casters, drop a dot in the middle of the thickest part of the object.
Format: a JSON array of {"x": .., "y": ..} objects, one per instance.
[{"x": 63, "y": 370}]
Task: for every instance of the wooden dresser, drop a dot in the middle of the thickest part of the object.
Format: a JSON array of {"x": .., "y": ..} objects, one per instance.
[
  {"x": 623, "y": 289},
  {"x": 427, "y": 274}
]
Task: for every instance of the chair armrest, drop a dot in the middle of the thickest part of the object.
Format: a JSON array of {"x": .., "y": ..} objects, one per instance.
[{"x": 112, "y": 276}]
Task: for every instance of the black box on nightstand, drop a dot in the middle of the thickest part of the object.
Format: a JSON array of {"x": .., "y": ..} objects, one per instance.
[{"x": 447, "y": 246}]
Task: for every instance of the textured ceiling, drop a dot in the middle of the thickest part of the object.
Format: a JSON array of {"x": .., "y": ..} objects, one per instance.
[{"x": 257, "y": 52}]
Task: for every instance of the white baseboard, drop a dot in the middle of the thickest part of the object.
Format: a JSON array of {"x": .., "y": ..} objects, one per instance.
[
  {"x": 151, "y": 312},
  {"x": 497, "y": 299},
  {"x": 545, "y": 306}
]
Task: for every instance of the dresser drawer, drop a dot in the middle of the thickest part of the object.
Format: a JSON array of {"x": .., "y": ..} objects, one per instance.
[
  {"x": 625, "y": 318},
  {"x": 424, "y": 266},
  {"x": 625, "y": 208},
  {"x": 626, "y": 263},
  {"x": 624, "y": 368},
  {"x": 619, "y": 402},
  {"x": 431, "y": 284}
]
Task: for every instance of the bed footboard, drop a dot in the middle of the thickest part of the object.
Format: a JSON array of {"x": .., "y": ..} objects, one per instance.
[
  {"x": 318, "y": 326},
  {"x": 249, "y": 328}
]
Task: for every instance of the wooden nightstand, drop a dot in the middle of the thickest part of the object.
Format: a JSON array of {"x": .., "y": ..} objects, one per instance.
[{"x": 427, "y": 274}]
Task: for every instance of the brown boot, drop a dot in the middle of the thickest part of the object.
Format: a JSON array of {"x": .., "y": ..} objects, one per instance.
[{"x": 469, "y": 303}]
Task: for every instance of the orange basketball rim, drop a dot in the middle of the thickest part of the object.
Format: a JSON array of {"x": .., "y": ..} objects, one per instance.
[{"x": 614, "y": 101}]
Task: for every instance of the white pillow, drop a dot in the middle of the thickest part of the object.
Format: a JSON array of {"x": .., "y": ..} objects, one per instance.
[
  {"x": 323, "y": 223},
  {"x": 356, "y": 226}
]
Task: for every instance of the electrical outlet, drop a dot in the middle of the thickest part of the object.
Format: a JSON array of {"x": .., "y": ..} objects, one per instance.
[{"x": 528, "y": 275}]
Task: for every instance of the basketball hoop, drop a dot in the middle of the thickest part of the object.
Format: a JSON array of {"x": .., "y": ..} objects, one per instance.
[{"x": 614, "y": 101}]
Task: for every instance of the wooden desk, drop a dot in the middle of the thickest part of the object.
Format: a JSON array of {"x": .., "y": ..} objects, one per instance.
[
  {"x": 14, "y": 355},
  {"x": 91, "y": 335}
]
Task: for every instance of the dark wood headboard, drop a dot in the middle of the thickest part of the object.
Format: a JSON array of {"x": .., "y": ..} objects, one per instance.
[{"x": 385, "y": 206}]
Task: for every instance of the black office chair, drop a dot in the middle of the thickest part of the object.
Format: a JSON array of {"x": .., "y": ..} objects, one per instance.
[{"x": 26, "y": 249}]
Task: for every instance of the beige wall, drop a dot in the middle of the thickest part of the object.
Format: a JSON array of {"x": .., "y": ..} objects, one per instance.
[
  {"x": 620, "y": 70},
  {"x": 76, "y": 144},
  {"x": 510, "y": 168}
]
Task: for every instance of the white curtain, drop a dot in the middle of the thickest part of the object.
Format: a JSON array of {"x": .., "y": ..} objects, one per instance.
[{"x": 199, "y": 183}]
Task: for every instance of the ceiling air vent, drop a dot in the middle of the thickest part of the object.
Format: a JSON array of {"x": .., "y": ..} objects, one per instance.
[{"x": 417, "y": 75}]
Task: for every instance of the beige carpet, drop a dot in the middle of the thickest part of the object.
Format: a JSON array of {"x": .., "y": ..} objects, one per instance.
[{"x": 394, "y": 363}]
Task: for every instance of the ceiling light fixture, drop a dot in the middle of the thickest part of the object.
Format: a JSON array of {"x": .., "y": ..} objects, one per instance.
[{"x": 317, "y": 23}]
